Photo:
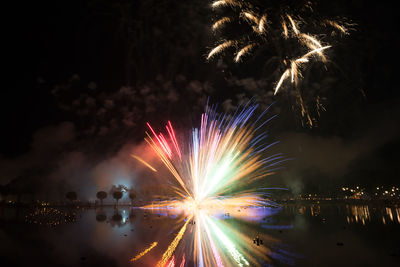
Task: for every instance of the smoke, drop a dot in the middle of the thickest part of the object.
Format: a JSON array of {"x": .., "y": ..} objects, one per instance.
[
  {"x": 54, "y": 166},
  {"x": 323, "y": 163},
  {"x": 47, "y": 144}
]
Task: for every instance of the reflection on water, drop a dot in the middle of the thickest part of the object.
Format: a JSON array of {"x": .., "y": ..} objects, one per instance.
[
  {"x": 352, "y": 214},
  {"x": 216, "y": 237},
  {"x": 358, "y": 214},
  {"x": 293, "y": 235},
  {"x": 361, "y": 214},
  {"x": 50, "y": 216}
]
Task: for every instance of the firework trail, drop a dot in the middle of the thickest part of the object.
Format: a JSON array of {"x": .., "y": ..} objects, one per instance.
[
  {"x": 290, "y": 29},
  {"x": 215, "y": 171},
  {"x": 143, "y": 162},
  {"x": 170, "y": 250},
  {"x": 144, "y": 252}
]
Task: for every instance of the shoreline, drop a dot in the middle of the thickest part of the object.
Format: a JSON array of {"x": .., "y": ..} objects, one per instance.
[{"x": 395, "y": 202}]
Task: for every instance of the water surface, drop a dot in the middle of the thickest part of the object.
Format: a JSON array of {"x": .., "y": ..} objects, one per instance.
[{"x": 293, "y": 235}]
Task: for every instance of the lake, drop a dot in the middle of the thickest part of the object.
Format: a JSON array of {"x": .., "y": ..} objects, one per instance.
[{"x": 310, "y": 234}]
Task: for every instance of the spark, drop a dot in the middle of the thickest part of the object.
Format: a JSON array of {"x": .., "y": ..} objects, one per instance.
[
  {"x": 293, "y": 71},
  {"x": 261, "y": 23},
  {"x": 294, "y": 26},
  {"x": 315, "y": 51},
  {"x": 251, "y": 17},
  {"x": 313, "y": 44},
  {"x": 183, "y": 261},
  {"x": 171, "y": 263},
  {"x": 293, "y": 31},
  {"x": 284, "y": 76},
  {"x": 171, "y": 248},
  {"x": 220, "y": 3},
  {"x": 141, "y": 254},
  {"x": 213, "y": 247},
  {"x": 172, "y": 136},
  {"x": 285, "y": 29},
  {"x": 144, "y": 162},
  {"x": 244, "y": 51},
  {"x": 238, "y": 257},
  {"x": 218, "y": 49},
  {"x": 337, "y": 26},
  {"x": 220, "y": 22}
]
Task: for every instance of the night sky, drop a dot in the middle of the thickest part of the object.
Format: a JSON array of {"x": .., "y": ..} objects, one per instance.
[{"x": 83, "y": 77}]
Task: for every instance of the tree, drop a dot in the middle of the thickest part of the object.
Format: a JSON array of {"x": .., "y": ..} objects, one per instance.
[
  {"x": 116, "y": 219},
  {"x": 132, "y": 195},
  {"x": 71, "y": 196},
  {"x": 117, "y": 195},
  {"x": 101, "y": 195},
  {"x": 101, "y": 216},
  {"x": 117, "y": 191}
]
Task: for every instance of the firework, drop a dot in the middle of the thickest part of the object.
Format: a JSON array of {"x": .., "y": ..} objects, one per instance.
[
  {"x": 294, "y": 70},
  {"x": 284, "y": 28},
  {"x": 168, "y": 253},
  {"x": 243, "y": 51},
  {"x": 222, "y": 152},
  {"x": 143, "y": 162},
  {"x": 220, "y": 3},
  {"x": 219, "y": 48},
  {"x": 141, "y": 254},
  {"x": 214, "y": 171},
  {"x": 218, "y": 24},
  {"x": 214, "y": 242}
]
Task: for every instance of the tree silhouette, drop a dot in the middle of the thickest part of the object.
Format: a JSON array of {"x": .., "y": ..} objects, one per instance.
[
  {"x": 116, "y": 219},
  {"x": 71, "y": 196},
  {"x": 117, "y": 195},
  {"x": 101, "y": 216},
  {"x": 101, "y": 195}
]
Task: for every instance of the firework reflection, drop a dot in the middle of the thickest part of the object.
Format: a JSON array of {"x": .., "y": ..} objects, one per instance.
[{"x": 209, "y": 233}]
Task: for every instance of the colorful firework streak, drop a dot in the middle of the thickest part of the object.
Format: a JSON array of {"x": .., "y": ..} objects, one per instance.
[
  {"x": 215, "y": 173},
  {"x": 295, "y": 33}
]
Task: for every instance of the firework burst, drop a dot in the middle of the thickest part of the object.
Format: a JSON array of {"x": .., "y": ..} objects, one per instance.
[
  {"x": 215, "y": 173},
  {"x": 291, "y": 30},
  {"x": 223, "y": 152}
]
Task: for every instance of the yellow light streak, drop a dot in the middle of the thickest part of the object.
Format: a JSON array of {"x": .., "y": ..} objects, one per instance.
[
  {"x": 261, "y": 23},
  {"x": 218, "y": 49},
  {"x": 220, "y": 3},
  {"x": 221, "y": 22},
  {"x": 244, "y": 51},
  {"x": 171, "y": 248},
  {"x": 144, "y": 162},
  {"x": 141, "y": 254}
]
